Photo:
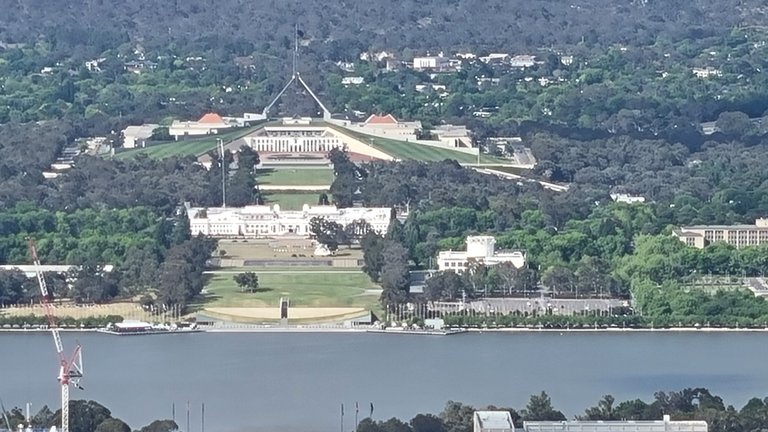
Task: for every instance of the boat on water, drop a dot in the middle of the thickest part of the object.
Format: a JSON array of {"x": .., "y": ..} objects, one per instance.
[{"x": 135, "y": 328}]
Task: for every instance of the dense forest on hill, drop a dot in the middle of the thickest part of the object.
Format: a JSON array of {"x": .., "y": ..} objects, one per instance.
[{"x": 347, "y": 27}]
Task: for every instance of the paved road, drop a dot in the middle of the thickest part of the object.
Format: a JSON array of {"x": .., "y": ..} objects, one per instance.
[{"x": 546, "y": 185}]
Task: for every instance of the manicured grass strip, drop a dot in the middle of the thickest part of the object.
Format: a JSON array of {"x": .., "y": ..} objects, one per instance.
[
  {"x": 195, "y": 146},
  {"x": 315, "y": 289},
  {"x": 295, "y": 176},
  {"x": 415, "y": 151}
]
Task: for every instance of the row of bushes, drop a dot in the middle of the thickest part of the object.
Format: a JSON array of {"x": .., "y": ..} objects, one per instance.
[
  {"x": 613, "y": 321},
  {"x": 34, "y": 321}
]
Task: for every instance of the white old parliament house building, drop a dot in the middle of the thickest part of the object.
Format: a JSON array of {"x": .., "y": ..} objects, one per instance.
[{"x": 263, "y": 221}]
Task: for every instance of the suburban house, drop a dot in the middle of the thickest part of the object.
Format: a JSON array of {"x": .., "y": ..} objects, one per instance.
[
  {"x": 354, "y": 80},
  {"x": 437, "y": 63},
  {"x": 522, "y": 61},
  {"x": 707, "y": 72},
  {"x": 496, "y": 58},
  {"x": 627, "y": 198},
  {"x": 95, "y": 64}
]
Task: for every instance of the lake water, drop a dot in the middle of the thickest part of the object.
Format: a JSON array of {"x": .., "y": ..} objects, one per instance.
[{"x": 297, "y": 381}]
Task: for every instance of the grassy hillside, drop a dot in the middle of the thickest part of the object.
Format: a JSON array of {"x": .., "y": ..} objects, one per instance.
[
  {"x": 194, "y": 147},
  {"x": 412, "y": 151},
  {"x": 295, "y": 176}
]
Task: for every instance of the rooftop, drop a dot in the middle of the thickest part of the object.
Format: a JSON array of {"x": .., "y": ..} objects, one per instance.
[
  {"x": 494, "y": 419},
  {"x": 723, "y": 227},
  {"x": 665, "y": 425},
  {"x": 144, "y": 130},
  {"x": 381, "y": 119},
  {"x": 308, "y": 210},
  {"x": 211, "y": 118}
]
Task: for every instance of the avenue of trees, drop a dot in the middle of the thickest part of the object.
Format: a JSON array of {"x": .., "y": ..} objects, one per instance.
[{"x": 687, "y": 404}]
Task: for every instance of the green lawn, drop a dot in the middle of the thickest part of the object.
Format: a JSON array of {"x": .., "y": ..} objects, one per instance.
[
  {"x": 292, "y": 201},
  {"x": 195, "y": 146},
  {"x": 305, "y": 287},
  {"x": 413, "y": 151},
  {"x": 295, "y": 176},
  {"x": 292, "y": 269}
]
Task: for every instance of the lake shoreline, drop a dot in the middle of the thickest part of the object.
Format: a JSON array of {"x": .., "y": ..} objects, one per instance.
[{"x": 447, "y": 332}]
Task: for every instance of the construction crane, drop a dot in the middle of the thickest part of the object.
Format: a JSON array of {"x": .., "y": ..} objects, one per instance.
[{"x": 70, "y": 368}]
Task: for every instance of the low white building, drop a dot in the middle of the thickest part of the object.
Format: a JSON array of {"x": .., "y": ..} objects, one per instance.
[
  {"x": 245, "y": 120},
  {"x": 492, "y": 421},
  {"x": 665, "y": 425},
  {"x": 263, "y": 221},
  {"x": 29, "y": 270},
  {"x": 387, "y": 126},
  {"x": 137, "y": 136},
  {"x": 627, "y": 199},
  {"x": 480, "y": 249},
  {"x": 495, "y": 58},
  {"x": 453, "y": 136},
  {"x": 95, "y": 64},
  {"x": 431, "y": 62},
  {"x": 522, "y": 61},
  {"x": 208, "y": 124},
  {"x": 353, "y": 80},
  {"x": 707, "y": 72}
]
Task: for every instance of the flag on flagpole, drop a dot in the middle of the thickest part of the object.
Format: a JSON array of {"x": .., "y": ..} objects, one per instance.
[
  {"x": 371, "y": 410},
  {"x": 342, "y": 410},
  {"x": 357, "y": 409}
]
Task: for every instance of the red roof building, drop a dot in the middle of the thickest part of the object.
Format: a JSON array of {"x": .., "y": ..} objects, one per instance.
[
  {"x": 211, "y": 118},
  {"x": 381, "y": 119}
]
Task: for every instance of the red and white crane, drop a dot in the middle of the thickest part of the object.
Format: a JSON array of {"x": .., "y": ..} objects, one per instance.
[{"x": 70, "y": 368}]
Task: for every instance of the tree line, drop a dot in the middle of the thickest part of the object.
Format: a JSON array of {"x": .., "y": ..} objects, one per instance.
[
  {"x": 599, "y": 249},
  {"x": 84, "y": 416},
  {"x": 149, "y": 252},
  {"x": 686, "y": 404}
]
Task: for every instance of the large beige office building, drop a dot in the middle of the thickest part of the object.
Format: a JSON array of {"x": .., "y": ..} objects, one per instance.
[{"x": 699, "y": 236}]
